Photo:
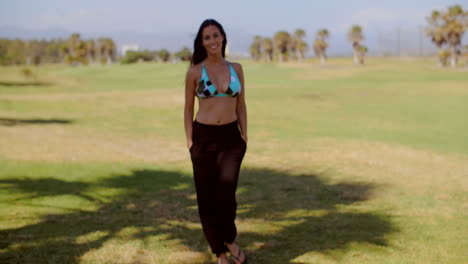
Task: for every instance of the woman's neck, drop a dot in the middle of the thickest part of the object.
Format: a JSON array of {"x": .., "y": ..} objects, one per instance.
[{"x": 214, "y": 59}]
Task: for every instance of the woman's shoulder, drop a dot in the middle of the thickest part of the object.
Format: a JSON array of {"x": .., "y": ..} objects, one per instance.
[
  {"x": 237, "y": 66},
  {"x": 194, "y": 70}
]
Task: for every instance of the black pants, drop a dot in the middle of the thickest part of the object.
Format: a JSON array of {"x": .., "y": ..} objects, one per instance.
[{"x": 217, "y": 154}]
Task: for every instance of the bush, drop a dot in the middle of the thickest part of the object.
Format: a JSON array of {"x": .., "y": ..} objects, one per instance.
[
  {"x": 28, "y": 74},
  {"x": 184, "y": 55},
  {"x": 164, "y": 55},
  {"x": 136, "y": 56},
  {"x": 444, "y": 56}
]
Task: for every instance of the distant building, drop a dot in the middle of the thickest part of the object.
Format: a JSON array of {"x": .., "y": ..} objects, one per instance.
[{"x": 129, "y": 47}]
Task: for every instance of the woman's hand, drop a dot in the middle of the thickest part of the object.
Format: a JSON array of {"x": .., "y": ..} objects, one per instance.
[
  {"x": 245, "y": 138},
  {"x": 189, "y": 144}
]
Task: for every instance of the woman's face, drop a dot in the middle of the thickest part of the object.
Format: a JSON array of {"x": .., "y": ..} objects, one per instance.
[{"x": 212, "y": 39}]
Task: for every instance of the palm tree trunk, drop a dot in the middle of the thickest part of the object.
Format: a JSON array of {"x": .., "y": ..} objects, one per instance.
[
  {"x": 109, "y": 56},
  {"x": 356, "y": 57},
  {"x": 322, "y": 58},
  {"x": 299, "y": 55},
  {"x": 439, "y": 56},
  {"x": 90, "y": 59},
  {"x": 453, "y": 56}
]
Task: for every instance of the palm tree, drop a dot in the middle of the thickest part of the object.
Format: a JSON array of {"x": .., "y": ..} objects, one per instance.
[
  {"x": 77, "y": 50},
  {"x": 81, "y": 52},
  {"x": 91, "y": 49},
  {"x": 106, "y": 50},
  {"x": 282, "y": 42},
  {"x": 111, "y": 50},
  {"x": 465, "y": 54},
  {"x": 268, "y": 49},
  {"x": 436, "y": 32},
  {"x": 362, "y": 50},
  {"x": 34, "y": 51},
  {"x": 355, "y": 36},
  {"x": 102, "y": 48},
  {"x": 444, "y": 56},
  {"x": 299, "y": 44},
  {"x": 52, "y": 51},
  {"x": 256, "y": 48},
  {"x": 447, "y": 28},
  {"x": 65, "y": 52},
  {"x": 73, "y": 42},
  {"x": 454, "y": 29},
  {"x": 14, "y": 52},
  {"x": 321, "y": 45}
]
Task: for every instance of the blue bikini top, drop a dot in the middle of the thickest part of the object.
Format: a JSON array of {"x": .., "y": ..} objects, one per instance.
[{"x": 206, "y": 88}]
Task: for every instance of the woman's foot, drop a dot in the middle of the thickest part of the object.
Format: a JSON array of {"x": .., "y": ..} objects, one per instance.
[
  {"x": 222, "y": 259},
  {"x": 237, "y": 254}
]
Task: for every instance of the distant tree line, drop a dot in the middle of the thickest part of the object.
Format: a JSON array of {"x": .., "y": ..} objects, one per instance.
[
  {"x": 285, "y": 46},
  {"x": 446, "y": 29},
  {"x": 157, "y": 55},
  {"x": 77, "y": 51},
  {"x": 73, "y": 50}
]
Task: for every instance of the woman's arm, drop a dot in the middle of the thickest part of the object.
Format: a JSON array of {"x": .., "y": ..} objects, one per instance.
[
  {"x": 190, "y": 85},
  {"x": 241, "y": 106}
]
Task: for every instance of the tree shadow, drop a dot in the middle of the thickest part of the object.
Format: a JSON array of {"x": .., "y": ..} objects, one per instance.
[
  {"x": 17, "y": 122},
  {"x": 306, "y": 210},
  {"x": 9, "y": 84},
  {"x": 314, "y": 212},
  {"x": 146, "y": 202},
  {"x": 43, "y": 187}
]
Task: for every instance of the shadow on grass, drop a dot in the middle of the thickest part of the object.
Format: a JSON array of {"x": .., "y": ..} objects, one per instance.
[
  {"x": 156, "y": 203},
  {"x": 17, "y": 122},
  {"x": 37, "y": 188},
  {"x": 21, "y": 84}
]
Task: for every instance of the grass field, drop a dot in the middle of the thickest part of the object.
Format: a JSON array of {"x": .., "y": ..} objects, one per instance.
[{"x": 345, "y": 164}]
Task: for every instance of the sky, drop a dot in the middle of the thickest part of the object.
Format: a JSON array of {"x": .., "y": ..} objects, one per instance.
[{"x": 255, "y": 17}]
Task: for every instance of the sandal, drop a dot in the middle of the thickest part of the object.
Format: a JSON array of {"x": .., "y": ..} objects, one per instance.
[{"x": 239, "y": 253}]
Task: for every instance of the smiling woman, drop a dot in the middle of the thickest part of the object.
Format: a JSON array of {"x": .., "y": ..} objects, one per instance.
[{"x": 217, "y": 139}]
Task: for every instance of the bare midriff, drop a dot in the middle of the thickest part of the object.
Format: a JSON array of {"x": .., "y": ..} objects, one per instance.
[{"x": 217, "y": 110}]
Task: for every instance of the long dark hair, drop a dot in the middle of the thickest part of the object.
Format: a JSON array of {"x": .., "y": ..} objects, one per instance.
[{"x": 199, "y": 52}]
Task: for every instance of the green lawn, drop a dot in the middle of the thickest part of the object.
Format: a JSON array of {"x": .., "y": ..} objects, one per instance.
[{"x": 345, "y": 164}]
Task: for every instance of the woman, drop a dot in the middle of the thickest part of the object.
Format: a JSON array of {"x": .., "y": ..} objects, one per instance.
[{"x": 217, "y": 139}]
